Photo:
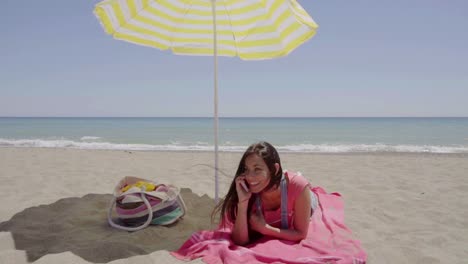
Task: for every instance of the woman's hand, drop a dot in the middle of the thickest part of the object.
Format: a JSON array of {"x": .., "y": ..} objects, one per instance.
[
  {"x": 243, "y": 195},
  {"x": 257, "y": 222}
]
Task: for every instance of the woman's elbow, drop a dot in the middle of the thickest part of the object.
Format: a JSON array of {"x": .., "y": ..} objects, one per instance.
[
  {"x": 298, "y": 238},
  {"x": 242, "y": 243},
  {"x": 300, "y": 235},
  {"x": 238, "y": 241}
]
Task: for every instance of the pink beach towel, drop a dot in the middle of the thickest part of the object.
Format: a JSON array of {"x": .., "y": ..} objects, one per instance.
[{"x": 328, "y": 241}]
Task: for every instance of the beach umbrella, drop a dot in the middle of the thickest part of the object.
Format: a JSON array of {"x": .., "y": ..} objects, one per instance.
[{"x": 248, "y": 29}]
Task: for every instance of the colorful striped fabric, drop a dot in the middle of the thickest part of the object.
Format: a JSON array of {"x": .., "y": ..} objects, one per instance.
[
  {"x": 249, "y": 29},
  {"x": 137, "y": 207}
]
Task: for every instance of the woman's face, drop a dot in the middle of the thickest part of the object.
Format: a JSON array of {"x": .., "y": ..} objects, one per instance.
[{"x": 256, "y": 173}]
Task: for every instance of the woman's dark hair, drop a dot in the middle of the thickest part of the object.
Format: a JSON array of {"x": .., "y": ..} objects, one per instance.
[{"x": 268, "y": 153}]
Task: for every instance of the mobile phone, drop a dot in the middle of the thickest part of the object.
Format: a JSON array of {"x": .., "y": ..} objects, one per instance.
[{"x": 244, "y": 186}]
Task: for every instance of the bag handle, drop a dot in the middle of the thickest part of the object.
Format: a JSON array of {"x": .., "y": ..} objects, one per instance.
[{"x": 126, "y": 228}]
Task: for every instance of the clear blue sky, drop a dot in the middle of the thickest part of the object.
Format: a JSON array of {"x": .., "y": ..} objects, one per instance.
[{"x": 369, "y": 58}]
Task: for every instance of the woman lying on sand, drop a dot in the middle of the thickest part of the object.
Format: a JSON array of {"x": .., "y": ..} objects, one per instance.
[{"x": 270, "y": 215}]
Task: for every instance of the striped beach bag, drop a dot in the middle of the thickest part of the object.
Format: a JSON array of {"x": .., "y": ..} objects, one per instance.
[{"x": 140, "y": 202}]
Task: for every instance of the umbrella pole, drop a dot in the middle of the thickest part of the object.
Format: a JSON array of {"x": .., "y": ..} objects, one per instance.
[{"x": 215, "y": 56}]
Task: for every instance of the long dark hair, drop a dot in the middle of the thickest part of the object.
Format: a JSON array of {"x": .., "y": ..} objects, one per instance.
[{"x": 270, "y": 156}]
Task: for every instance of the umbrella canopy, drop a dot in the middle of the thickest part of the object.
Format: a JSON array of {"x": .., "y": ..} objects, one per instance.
[{"x": 249, "y": 29}]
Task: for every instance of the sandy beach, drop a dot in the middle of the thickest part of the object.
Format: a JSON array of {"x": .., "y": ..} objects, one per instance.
[{"x": 404, "y": 208}]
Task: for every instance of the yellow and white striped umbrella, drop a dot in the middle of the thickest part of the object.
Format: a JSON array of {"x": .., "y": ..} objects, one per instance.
[{"x": 249, "y": 29}]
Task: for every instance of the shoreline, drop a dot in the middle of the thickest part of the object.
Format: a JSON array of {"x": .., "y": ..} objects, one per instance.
[{"x": 383, "y": 153}]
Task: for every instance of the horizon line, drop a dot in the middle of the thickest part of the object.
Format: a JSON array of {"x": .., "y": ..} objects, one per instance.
[{"x": 234, "y": 117}]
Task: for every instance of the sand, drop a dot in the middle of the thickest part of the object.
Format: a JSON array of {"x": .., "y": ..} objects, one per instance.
[{"x": 404, "y": 208}]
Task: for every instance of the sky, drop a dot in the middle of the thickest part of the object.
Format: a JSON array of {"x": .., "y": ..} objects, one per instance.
[{"x": 368, "y": 59}]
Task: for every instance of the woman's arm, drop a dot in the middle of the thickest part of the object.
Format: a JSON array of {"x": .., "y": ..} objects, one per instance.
[
  {"x": 240, "y": 232},
  {"x": 301, "y": 221}
]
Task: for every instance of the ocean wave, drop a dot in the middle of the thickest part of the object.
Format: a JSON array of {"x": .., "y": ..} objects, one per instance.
[
  {"x": 202, "y": 146},
  {"x": 330, "y": 148},
  {"x": 89, "y": 138}
]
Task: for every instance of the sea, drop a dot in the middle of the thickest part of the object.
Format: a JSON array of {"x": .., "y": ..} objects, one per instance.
[{"x": 304, "y": 135}]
